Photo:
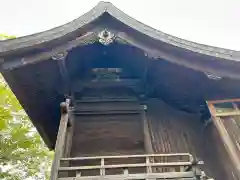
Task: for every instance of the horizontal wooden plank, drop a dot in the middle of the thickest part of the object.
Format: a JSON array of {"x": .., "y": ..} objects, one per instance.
[
  {"x": 79, "y": 85},
  {"x": 128, "y": 156},
  {"x": 234, "y": 113},
  {"x": 106, "y": 112},
  {"x": 107, "y": 107},
  {"x": 224, "y": 100},
  {"x": 96, "y": 100},
  {"x": 171, "y": 175},
  {"x": 171, "y": 164}
]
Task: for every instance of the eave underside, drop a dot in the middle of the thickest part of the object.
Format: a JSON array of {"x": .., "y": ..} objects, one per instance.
[
  {"x": 123, "y": 34},
  {"x": 40, "y": 86}
]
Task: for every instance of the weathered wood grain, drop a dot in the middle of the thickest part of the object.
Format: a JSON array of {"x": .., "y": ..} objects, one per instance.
[
  {"x": 59, "y": 148},
  {"x": 176, "y": 131}
]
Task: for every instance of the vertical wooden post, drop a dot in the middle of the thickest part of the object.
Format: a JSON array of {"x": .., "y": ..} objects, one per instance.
[
  {"x": 102, "y": 170},
  {"x": 69, "y": 134},
  {"x": 78, "y": 174},
  {"x": 149, "y": 167},
  {"x": 147, "y": 138},
  {"x": 68, "y": 143},
  {"x": 59, "y": 146},
  {"x": 125, "y": 172}
]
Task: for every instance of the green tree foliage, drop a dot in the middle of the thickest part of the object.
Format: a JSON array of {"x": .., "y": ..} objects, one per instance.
[
  {"x": 23, "y": 155},
  {"x": 4, "y": 37}
]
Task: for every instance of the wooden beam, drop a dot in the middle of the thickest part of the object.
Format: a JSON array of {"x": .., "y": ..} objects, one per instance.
[
  {"x": 60, "y": 140},
  {"x": 113, "y": 112},
  {"x": 213, "y": 111},
  {"x": 157, "y": 54},
  {"x": 116, "y": 166},
  {"x": 85, "y": 39},
  {"x": 168, "y": 175},
  {"x": 79, "y": 85},
  {"x": 128, "y": 156},
  {"x": 100, "y": 100},
  {"x": 225, "y": 114},
  {"x": 224, "y": 100}
]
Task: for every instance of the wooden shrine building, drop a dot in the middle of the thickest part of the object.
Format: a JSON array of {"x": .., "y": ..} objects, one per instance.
[{"x": 136, "y": 103}]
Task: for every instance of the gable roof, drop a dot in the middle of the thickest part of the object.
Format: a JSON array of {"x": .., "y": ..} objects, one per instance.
[
  {"x": 36, "y": 80},
  {"x": 106, "y": 7}
]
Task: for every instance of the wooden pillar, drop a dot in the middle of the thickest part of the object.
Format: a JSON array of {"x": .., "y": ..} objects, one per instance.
[{"x": 59, "y": 146}]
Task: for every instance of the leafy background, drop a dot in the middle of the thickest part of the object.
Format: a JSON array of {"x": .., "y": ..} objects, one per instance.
[{"x": 23, "y": 155}]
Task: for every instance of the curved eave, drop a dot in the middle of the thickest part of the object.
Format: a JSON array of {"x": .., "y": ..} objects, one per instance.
[{"x": 35, "y": 40}]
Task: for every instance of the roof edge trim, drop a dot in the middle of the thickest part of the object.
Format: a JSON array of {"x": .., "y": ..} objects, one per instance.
[{"x": 101, "y": 8}]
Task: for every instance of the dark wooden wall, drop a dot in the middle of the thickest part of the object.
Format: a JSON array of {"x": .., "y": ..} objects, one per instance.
[
  {"x": 174, "y": 131},
  {"x": 107, "y": 126},
  {"x": 97, "y": 135}
]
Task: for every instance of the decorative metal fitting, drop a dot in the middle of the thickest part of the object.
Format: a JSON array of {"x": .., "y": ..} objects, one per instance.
[
  {"x": 106, "y": 37},
  {"x": 59, "y": 55},
  {"x": 212, "y": 76}
]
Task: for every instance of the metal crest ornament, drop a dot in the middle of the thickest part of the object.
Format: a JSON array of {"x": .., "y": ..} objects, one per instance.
[
  {"x": 106, "y": 37},
  {"x": 59, "y": 56}
]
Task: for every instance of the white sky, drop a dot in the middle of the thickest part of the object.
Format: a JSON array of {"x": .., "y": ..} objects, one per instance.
[{"x": 212, "y": 22}]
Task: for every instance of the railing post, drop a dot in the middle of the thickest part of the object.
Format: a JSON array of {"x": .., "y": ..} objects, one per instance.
[
  {"x": 149, "y": 167},
  {"x": 59, "y": 146},
  {"x": 125, "y": 173},
  {"x": 102, "y": 170}
]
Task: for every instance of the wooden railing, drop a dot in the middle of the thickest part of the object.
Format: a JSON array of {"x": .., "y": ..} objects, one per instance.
[
  {"x": 229, "y": 136},
  {"x": 173, "y": 166},
  {"x": 59, "y": 147},
  {"x": 111, "y": 167}
]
